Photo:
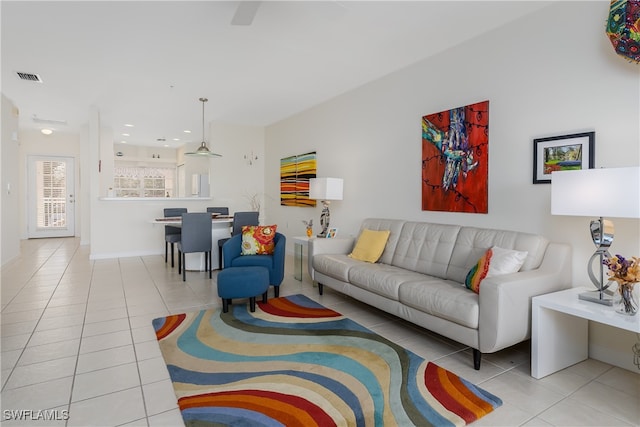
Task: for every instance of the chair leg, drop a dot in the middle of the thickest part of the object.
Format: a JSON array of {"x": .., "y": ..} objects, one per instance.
[
  {"x": 210, "y": 265},
  {"x": 276, "y": 291},
  {"x": 219, "y": 257},
  {"x": 205, "y": 261},
  {"x": 179, "y": 262},
  {"x": 166, "y": 250},
  {"x": 264, "y": 297},
  {"x": 172, "y": 264},
  {"x": 225, "y": 305},
  {"x": 184, "y": 268},
  {"x": 320, "y": 288},
  {"x": 252, "y": 304}
]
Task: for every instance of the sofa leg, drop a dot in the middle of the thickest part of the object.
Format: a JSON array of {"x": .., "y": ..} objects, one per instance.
[
  {"x": 264, "y": 297},
  {"x": 252, "y": 304},
  {"x": 476, "y": 359},
  {"x": 225, "y": 305},
  {"x": 276, "y": 291},
  {"x": 320, "y": 288}
]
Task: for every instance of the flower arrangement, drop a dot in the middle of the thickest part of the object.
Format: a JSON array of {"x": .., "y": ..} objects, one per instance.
[
  {"x": 626, "y": 272},
  {"x": 622, "y": 270}
]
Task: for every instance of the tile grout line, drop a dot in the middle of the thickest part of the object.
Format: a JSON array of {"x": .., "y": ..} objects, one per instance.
[{"x": 75, "y": 368}]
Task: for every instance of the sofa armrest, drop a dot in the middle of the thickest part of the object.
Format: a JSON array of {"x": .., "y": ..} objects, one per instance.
[
  {"x": 505, "y": 301},
  {"x": 317, "y": 246}
]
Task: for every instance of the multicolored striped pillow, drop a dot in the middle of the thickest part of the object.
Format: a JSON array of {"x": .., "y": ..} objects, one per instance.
[
  {"x": 495, "y": 262},
  {"x": 478, "y": 272}
]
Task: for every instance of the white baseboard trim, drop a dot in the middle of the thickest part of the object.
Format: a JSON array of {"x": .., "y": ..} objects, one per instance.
[{"x": 124, "y": 254}]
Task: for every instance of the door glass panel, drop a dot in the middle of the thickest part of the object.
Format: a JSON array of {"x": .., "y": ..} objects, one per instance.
[{"x": 51, "y": 193}]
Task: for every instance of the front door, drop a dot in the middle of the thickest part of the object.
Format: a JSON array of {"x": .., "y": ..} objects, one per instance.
[{"x": 51, "y": 196}]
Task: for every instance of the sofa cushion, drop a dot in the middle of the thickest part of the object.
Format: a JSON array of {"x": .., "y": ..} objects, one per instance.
[
  {"x": 472, "y": 243},
  {"x": 334, "y": 265},
  {"x": 370, "y": 245},
  {"x": 442, "y": 298},
  {"x": 496, "y": 261},
  {"x": 381, "y": 279},
  {"x": 426, "y": 248}
]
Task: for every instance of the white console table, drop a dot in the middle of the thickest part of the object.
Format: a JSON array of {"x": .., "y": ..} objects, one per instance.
[{"x": 560, "y": 329}]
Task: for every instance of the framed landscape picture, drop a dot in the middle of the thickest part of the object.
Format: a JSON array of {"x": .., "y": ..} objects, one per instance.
[{"x": 560, "y": 153}]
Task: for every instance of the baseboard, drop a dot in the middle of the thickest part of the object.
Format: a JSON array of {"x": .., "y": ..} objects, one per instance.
[{"x": 124, "y": 254}]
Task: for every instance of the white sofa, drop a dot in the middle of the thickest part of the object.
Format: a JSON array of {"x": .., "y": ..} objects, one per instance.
[{"x": 421, "y": 273}]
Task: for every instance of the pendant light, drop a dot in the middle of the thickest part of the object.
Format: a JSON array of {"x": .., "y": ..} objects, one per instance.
[{"x": 203, "y": 150}]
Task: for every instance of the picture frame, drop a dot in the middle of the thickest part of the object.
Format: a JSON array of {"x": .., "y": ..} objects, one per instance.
[
  {"x": 564, "y": 152},
  {"x": 332, "y": 233}
]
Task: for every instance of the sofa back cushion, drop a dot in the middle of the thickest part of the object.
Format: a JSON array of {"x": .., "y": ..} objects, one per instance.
[
  {"x": 473, "y": 242},
  {"x": 394, "y": 226},
  {"x": 425, "y": 247}
]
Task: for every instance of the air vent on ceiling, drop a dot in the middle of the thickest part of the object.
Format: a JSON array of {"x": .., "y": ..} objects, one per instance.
[
  {"x": 49, "y": 121},
  {"x": 29, "y": 77}
]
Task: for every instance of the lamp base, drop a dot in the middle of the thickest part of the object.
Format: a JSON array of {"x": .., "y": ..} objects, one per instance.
[{"x": 597, "y": 297}]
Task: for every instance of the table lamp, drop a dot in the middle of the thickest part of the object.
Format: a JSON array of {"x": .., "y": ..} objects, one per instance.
[
  {"x": 325, "y": 189},
  {"x": 598, "y": 193}
]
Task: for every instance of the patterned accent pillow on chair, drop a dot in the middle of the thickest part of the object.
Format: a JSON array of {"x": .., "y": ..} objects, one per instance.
[{"x": 258, "y": 239}]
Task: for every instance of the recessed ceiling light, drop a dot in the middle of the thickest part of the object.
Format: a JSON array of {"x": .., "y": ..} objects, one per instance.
[
  {"x": 187, "y": 131},
  {"x": 46, "y": 131},
  {"x": 125, "y": 134},
  {"x": 176, "y": 139},
  {"x": 128, "y": 125},
  {"x": 166, "y": 145},
  {"x": 123, "y": 142}
]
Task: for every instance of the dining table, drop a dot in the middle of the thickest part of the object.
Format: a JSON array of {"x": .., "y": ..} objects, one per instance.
[{"x": 220, "y": 229}]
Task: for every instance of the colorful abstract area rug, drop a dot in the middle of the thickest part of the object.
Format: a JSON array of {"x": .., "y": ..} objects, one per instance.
[{"x": 293, "y": 362}]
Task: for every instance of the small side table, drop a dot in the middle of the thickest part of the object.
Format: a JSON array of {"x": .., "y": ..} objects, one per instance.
[
  {"x": 299, "y": 242},
  {"x": 560, "y": 329}
]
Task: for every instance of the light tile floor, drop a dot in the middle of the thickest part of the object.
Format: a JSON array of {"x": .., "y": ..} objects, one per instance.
[{"x": 77, "y": 339}]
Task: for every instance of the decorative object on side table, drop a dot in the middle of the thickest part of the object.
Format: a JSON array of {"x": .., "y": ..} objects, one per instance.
[
  {"x": 325, "y": 189},
  {"x": 599, "y": 193},
  {"x": 309, "y": 227},
  {"x": 625, "y": 272}
]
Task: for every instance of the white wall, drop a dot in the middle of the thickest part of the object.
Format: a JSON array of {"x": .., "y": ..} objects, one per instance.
[
  {"x": 9, "y": 194},
  {"x": 546, "y": 74}
]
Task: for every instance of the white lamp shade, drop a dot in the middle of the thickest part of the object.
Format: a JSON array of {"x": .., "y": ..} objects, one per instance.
[
  {"x": 325, "y": 188},
  {"x": 611, "y": 192}
]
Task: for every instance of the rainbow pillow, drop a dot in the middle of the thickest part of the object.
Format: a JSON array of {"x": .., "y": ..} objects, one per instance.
[{"x": 495, "y": 262}]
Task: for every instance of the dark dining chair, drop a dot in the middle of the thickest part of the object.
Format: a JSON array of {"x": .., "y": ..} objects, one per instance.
[
  {"x": 240, "y": 219},
  {"x": 171, "y": 233},
  {"x": 195, "y": 237},
  {"x": 221, "y": 210}
]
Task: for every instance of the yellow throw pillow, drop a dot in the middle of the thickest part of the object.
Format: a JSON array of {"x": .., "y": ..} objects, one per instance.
[{"x": 370, "y": 245}]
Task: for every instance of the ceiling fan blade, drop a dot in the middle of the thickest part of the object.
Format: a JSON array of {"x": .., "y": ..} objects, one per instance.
[{"x": 245, "y": 13}]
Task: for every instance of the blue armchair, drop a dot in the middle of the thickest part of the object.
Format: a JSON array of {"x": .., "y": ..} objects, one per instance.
[{"x": 232, "y": 250}]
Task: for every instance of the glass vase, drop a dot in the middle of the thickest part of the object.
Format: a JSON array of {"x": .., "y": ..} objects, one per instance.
[
  {"x": 626, "y": 300},
  {"x": 309, "y": 231}
]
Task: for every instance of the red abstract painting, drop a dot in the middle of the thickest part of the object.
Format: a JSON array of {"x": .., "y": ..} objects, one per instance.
[{"x": 455, "y": 159}]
